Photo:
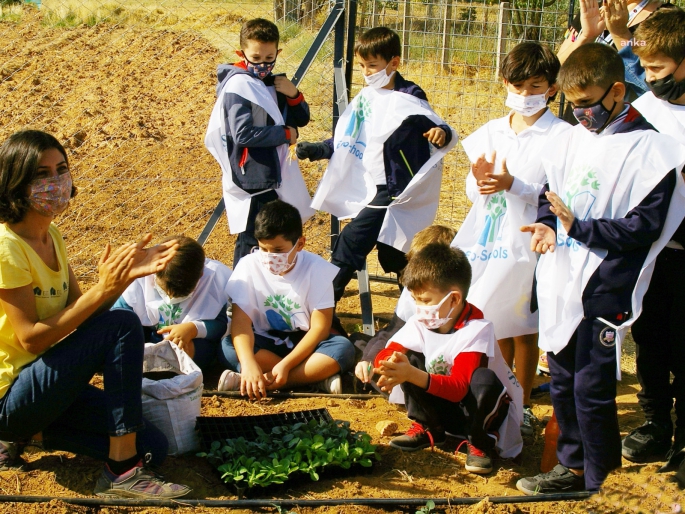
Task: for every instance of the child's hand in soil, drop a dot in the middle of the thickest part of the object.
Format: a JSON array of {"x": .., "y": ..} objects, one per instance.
[
  {"x": 252, "y": 381},
  {"x": 181, "y": 335}
]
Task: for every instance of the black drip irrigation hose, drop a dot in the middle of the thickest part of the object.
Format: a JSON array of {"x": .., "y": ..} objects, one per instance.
[
  {"x": 288, "y": 394},
  {"x": 294, "y": 502}
]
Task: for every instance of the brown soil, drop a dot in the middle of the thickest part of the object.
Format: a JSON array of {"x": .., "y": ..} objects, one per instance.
[{"x": 135, "y": 143}]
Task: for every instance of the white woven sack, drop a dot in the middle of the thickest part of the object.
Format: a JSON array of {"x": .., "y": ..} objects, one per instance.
[{"x": 173, "y": 404}]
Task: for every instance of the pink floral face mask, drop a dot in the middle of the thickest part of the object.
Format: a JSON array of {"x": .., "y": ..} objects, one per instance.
[
  {"x": 50, "y": 196},
  {"x": 277, "y": 263},
  {"x": 429, "y": 315}
]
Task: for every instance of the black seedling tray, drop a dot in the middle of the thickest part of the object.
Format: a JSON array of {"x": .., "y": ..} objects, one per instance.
[{"x": 219, "y": 428}]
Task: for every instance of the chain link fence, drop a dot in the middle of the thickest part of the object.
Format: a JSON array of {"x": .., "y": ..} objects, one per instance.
[
  {"x": 128, "y": 86},
  {"x": 452, "y": 49}
]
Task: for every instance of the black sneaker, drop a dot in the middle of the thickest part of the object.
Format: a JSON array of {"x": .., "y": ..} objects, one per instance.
[
  {"x": 676, "y": 454},
  {"x": 10, "y": 455},
  {"x": 680, "y": 475},
  {"x": 559, "y": 480},
  {"x": 417, "y": 438},
  {"x": 477, "y": 461},
  {"x": 648, "y": 442}
]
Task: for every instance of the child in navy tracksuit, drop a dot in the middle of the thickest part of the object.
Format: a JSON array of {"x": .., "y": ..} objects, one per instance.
[
  {"x": 612, "y": 216},
  {"x": 378, "y": 52},
  {"x": 252, "y": 137},
  {"x": 659, "y": 344}
]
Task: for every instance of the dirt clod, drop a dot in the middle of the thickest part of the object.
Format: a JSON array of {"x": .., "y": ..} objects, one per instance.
[{"x": 386, "y": 428}]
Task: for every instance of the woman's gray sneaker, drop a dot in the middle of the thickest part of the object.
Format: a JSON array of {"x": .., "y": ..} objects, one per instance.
[{"x": 140, "y": 482}]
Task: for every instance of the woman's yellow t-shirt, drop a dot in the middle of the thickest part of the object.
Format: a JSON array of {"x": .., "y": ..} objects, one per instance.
[{"x": 20, "y": 266}]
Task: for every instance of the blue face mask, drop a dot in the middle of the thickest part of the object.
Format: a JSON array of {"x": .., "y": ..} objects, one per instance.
[
  {"x": 594, "y": 117},
  {"x": 261, "y": 70}
]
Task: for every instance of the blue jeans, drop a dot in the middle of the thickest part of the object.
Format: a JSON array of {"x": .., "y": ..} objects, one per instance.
[
  {"x": 52, "y": 394},
  {"x": 337, "y": 347}
]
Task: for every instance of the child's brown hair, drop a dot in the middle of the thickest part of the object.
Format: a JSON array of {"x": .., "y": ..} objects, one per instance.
[
  {"x": 184, "y": 270},
  {"x": 662, "y": 33},
  {"x": 430, "y": 234},
  {"x": 260, "y": 30},
  {"x": 530, "y": 59},
  {"x": 440, "y": 266},
  {"x": 593, "y": 64},
  {"x": 379, "y": 42}
]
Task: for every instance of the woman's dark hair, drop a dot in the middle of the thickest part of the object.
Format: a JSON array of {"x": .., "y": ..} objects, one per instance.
[
  {"x": 184, "y": 270},
  {"x": 19, "y": 156},
  {"x": 278, "y": 218}
]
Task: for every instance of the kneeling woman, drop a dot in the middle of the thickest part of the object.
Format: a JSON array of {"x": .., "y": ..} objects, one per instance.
[{"x": 53, "y": 337}]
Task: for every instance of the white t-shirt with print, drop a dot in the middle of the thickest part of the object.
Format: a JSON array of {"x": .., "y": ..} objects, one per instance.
[{"x": 282, "y": 302}]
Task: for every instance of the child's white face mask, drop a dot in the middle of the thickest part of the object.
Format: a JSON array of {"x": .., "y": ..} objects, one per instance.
[
  {"x": 380, "y": 79},
  {"x": 167, "y": 299},
  {"x": 526, "y": 105},
  {"x": 277, "y": 263},
  {"x": 429, "y": 315}
]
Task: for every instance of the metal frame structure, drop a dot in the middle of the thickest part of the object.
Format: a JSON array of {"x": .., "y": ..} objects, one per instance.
[{"x": 343, "y": 28}]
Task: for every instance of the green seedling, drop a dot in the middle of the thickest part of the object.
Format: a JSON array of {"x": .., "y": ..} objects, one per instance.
[
  {"x": 426, "y": 509},
  {"x": 300, "y": 448}
]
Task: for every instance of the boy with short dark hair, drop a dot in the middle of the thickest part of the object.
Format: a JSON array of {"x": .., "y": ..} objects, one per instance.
[
  {"x": 659, "y": 343},
  {"x": 604, "y": 215},
  {"x": 504, "y": 184},
  {"x": 448, "y": 365},
  {"x": 282, "y": 311},
  {"x": 254, "y": 121},
  {"x": 185, "y": 303},
  {"x": 383, "y": 172}
]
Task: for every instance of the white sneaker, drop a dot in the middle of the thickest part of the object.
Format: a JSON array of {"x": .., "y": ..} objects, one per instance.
[
  {"x": 229, "y": 381},
  {"x": 332, "y": 385}
]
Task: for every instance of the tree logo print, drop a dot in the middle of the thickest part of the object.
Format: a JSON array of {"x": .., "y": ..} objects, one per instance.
[
  {"x": 496, "y": 207},
  {"x": 438, "y": 366},
  {"x": 360, "y": 114},
  {"x": 282, "y": 317},
  {"x": 169, "y": 315},
  {"x": 582, "y": 181}
]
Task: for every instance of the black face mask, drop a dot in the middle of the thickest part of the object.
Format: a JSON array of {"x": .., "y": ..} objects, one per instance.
[{"x": 668, "y": 88}]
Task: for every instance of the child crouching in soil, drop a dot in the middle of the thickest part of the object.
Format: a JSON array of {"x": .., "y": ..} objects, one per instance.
[{"x": 449, "y": 367}]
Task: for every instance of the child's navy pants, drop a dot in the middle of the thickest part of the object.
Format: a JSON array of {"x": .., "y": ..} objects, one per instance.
[
  {"x": 583, "y": 391},
  {"x": 660, "y": 347},
  {"x": 357, "y": 240}
]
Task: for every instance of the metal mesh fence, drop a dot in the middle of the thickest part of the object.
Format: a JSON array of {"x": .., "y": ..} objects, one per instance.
[
  {"x": 452, "y": 50},
  {"x": 128, "y": 87}
]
